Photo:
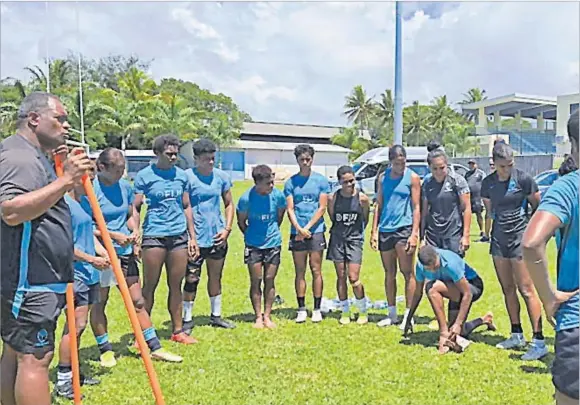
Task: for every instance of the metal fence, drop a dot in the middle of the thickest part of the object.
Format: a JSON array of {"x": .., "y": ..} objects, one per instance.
[{"x": 531, "y": 164}]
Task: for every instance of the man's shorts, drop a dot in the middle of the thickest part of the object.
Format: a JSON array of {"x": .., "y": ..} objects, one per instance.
[
  {"x": 475, "y": 286},
  {"x": 345, "y": 251},
  {"x": 253, "y": 255},
  {"x": 212, "y": 253},
  {"x": 86, "y": 294},
  {"x": 169, "y": 243},
  {"x": 452, "y": 243},
  {"x": 32, "y": 331},
  {"x": 476, "y": 206},
  {"x": 388, "y": 240},
  {"x": 565, "y": 366},
  {"x": 128, "y": 265},
  {"x": 508, "y": 247},
  {"x": 316, "y": 243}
]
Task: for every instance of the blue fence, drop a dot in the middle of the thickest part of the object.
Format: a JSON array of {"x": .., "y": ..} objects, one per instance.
[{"x": 233, "y": 162}]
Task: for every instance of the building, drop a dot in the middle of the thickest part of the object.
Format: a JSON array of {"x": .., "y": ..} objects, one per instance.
[
  {"x": 545, "y": 131},
  {"x": 266, "y": 143}
]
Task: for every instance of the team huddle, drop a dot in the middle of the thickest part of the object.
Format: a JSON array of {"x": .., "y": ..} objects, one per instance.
[{"x": 49, "y": 238}]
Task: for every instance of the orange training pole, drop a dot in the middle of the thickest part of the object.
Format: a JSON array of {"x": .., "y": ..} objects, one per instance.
[
  {"x": 122, "y": 284},
  {"x": 70, "y": 317}
]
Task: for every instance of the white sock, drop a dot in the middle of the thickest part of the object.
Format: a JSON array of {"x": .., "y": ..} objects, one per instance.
[
  {"x": 187, "y": 310},
  {"x": 392, "y": 311},
  {"x": 216, "y": 305},
  {"x": 362, "y": 305},
  {"x": 345, "y": 306},
  {"x": 63, "y": 378}
]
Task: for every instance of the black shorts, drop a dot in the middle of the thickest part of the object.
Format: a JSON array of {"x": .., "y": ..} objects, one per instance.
[
  {"x": 475, "y": 286},
  {"x": 86, "y": 294},
  {"x": 169, "y": 243},
  {"x": 32, "y": 330},
  {"x": 211, "y": 253},
  {"x": 388, "y": 240},
  {"x": 476, "y": 206},
  {"x": 448, "y": 243},
  {"x": 565, "y": 366},
  {"x": 129, "y": 266},
  {"x": 316, "y": 243},
  {"x": 253, "y": 255},
  {"x": 507, "y": 247},
  {"x": 345, "y": 251}
]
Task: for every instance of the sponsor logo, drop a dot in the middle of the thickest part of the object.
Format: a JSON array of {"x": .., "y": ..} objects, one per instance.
[{"x": 41, "y": 338}]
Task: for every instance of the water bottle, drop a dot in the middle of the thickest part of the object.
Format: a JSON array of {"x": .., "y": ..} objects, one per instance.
[{"x": 380, "y": 305}]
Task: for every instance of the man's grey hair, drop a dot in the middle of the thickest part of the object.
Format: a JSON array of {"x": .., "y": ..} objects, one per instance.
[{"x": 37, "y": 101}]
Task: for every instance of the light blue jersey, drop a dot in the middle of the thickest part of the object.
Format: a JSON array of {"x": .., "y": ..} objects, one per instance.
[
  {"x": 84, "y": 241},
  {"x": 397, "y": 209},
  {"x": 205, "y": 195},
  {"x": 114, "y": 202},
  {"x": 163, "y": 191},
  {"x": 263, "y": 231},
  {"x": 306, "y": 193},
  {"x": 452, "y": 268},
  {"x": 561, "y": 200}
]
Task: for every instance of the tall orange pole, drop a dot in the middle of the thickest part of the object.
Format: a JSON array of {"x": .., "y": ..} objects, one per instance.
[
  {"x": 122, "y": 284},
  {"x": 70, "y": 318}
]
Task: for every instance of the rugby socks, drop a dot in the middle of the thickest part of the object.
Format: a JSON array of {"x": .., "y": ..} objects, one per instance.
[
  {"x": 104, "y": 344},
  {"x": 64, "y": 374},
  {"x": 344, "y": 305},
  {"x": 517, "y": 328},
  {"x": 317, "y": 301},
  {"x": 152, "y": 339},
  {"x": 216, "y": 305},
  {"x": 187, "y": 311},
  {"x": 538, "y": 336},
  {"x": 301, "y": 303},
  {"x": 362, "y": 305},
  {"x": 392, "y": 312},
  {"x": 471, "y": 326}
]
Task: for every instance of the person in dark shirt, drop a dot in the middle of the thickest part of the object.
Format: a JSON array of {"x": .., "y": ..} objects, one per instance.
[
  {"x": 37, "y": 245},
  {"x": 506, "y": 194},
  {"x": 474, "y": 178}
]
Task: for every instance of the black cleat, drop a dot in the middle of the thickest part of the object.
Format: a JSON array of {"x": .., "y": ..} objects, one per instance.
[
  {"x": 218, "y": 322},
  {"x": 484, "y": 239},
  {"x": 187, "y": 327},
  {"x": 65, "y": 390}
]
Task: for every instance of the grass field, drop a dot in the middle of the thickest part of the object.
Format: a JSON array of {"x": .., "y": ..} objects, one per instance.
[{"x": 319, "y": 363}]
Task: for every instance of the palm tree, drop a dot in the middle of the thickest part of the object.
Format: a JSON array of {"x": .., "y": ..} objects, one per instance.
[
  {"x": 441, "y": 116},
  {"x": 172, "y": 113},
  {"x": 61, "y": 76},
  {"x": 136, "y": 85},
  {"x": 473, "y": 95},
  {"x": 13, "y": 92},
  {"x": 416, "y": 124},
  {"x": 458, "y": 141},
  {"x": 385, "y": 109},
  {"x": 349, "y": 138},
  {"x": 358, "y": 108}
]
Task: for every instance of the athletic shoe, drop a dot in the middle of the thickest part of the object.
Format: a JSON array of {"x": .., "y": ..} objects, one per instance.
[
  {"x": 363, "y": 319},
  {"x": 218, "y": 322},
  {"x": 301, "y": 316},
  {"x": 187, "y": 327},
  {"x": 164, "y": 355},
  {"x": 402, "y": 325},
  {"x": 388, "y": 321},
  {"x": 484, "y": 239},
  {"x": 316, "y": 316},
  {"x": 65, "y": 390},
  {"x": 108, "y": 359},
  {"x": 183, "y": 338},
  {"x": 537, "y": 350},
  {"x": 85, "y": 380},
  {"x": 344, "y": 318},
  {"x": 516, "y": 340}
]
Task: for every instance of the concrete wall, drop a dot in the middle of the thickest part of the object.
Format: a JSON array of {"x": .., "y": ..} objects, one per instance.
[
  {"x": 532, "y": 164},
  {"x": 562, "y": 115}
]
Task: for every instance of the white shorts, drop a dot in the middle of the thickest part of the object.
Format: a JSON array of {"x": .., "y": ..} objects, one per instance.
[{"x": 108, "y": 278}]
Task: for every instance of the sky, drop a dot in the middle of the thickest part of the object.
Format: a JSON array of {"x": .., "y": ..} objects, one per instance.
[{"x": 296, "y": 62}]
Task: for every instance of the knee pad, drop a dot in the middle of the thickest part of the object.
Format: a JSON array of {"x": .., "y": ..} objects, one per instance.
[
  {"x": 139, "y": 304},
  {"x": 191, "y": 286},
  {"x": 355, "y": 283}
]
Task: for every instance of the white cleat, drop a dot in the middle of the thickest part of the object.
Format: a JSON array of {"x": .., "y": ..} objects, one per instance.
[
  {"x": 388, "y": 321},
  {"x": 402, "y": 325},
  {"x": 537, "y": 350},
  {"x": 301, "y": 316},
  {"x": 515, "y": 341},
  {"x": 316, "y": 316}
]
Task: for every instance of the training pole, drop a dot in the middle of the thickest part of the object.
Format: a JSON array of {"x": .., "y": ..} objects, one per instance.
[
  {"x": 398, "y": 119},
  {"x": 122, "y": 284},
  {"x": 70, "y": 318}
]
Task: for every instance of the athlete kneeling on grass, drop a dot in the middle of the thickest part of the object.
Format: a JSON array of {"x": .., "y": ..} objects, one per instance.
[
  {"x": 260, "y": 212},
  {"x": 449, "y": 277},
  {"x": 89, "y": 256},
  {"x": 165, "y": 229},
  {"x": 349, "y": 213},
  {"x": 115, "y": 198}
]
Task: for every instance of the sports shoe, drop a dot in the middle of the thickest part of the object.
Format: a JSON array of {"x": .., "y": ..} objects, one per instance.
[
  {"x": 301, "y": 316},
  {"x": 86, "y": 380},
  {"x": 537, "y": 350},
  {"x": 183, "y": 338},
  {"x": 516, "y": 340},
  {"x": 65, "y": 390},
  {"x": 484, "y": 239},
  {"x": 402, "y": 325},
  {"x": 388, "y": 321},
  {"x": 187, "y": 327},
  {"x": 363, "y": 319},
  {"x": 344, "y": 318},
  {"x": 108, "y": 359},
  {"x": 218, "y": 322},
  {"x": 164, "y": 355},
  {"x": 316, "y": 316}
]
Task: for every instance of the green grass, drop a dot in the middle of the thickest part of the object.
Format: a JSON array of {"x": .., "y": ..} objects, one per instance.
[{"x": 319, "y": 363}]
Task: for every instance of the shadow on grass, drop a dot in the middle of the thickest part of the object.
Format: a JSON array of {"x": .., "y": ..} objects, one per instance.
[{"x": 543, "y": 369}]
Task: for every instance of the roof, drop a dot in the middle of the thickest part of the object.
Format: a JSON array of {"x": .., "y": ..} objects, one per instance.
[
  {"x": 285, "y": 146},
  {"x": 508, "y": 106},
  {"x": 294, "y": 130}
]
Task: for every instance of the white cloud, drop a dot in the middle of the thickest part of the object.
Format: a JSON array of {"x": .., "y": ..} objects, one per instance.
[
  {"x": 194, "y": 26},
  {"x": 259, "y": 89}
]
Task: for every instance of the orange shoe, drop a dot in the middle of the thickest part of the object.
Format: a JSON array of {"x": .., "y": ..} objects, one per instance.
[{"x": 183, "y": 338}]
